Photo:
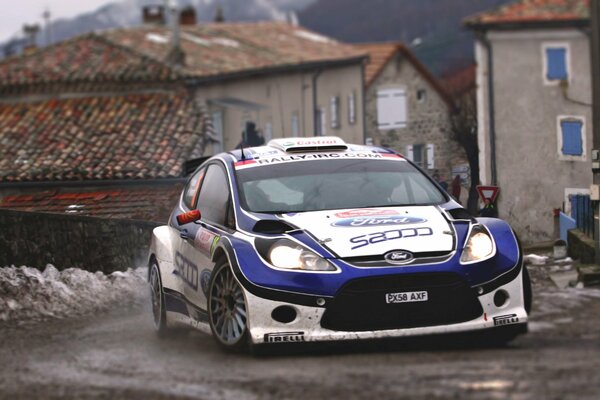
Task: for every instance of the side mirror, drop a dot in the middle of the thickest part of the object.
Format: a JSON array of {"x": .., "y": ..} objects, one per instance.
[{"x": 188, "y": 217}]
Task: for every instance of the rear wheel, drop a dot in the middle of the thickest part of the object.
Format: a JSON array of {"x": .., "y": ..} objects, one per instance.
[
  {"x": 228, "y": 315},
  {"x": 157, "y": 297}
]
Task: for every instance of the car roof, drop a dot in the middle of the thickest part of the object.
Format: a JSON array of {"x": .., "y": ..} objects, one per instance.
[{"x": 299, "y": 146}]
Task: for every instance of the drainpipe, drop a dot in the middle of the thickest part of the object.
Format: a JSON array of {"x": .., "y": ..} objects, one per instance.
[
  {"x": 315, "y": 104},
  {"x": 492, "y": 121}
]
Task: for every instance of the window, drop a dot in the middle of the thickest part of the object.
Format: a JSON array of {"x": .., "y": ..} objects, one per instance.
[
  {"x": 556, "y": 62},
  {"x": 321, "y": 126},
  {"x": 268, "y": 135},
  {"x": 335, "y": 112},
  {"x": 391, "y": 109},
  {"x": 334, "y": 184},
  {"x": 189, "y": 195},
  {"x": 351, "y": 108},
  {"x": 571, "y": 138},
  {"x": 295, "y": 125},
  {"x": 217, "y": 122},
  {"x": 214, "y": 195},
  {"x": 421, "y": 95},
  {"x": 422, "y": 155}
]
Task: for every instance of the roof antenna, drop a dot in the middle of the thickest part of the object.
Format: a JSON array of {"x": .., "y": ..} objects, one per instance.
[{"x": 242, "y": 150}]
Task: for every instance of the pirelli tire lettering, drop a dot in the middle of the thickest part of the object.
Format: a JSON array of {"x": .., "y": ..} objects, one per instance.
[{"x": 284, "y": 337}]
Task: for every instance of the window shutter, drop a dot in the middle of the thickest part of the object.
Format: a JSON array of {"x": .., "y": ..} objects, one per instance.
[
  {"x": 295, "y": 125},
  {"x": 351, "y": 109},
  {"x": 391, "y": 109},
  {"x": 268, "y": 135},
  {"x": 572, "y": 142},
  {"x": 409, "y": 152},
  {"x": 556, "y": 60},
  {"x": 335, "y": 120},
  {"x": 430, "y": 156}
]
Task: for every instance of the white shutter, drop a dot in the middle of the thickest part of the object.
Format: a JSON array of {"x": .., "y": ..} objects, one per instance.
[
  {"x": 268, "y": 134},
  {"x": 430, "y": 156},
  {"x": 409, "y": 152},
  {"x": 351, "y": 109},
  {"x": 391, "y": 109},
  {"x": 335, "y": 120},
  {"x": 323, "y": 122},
  {"x": 295, "y": 125}
]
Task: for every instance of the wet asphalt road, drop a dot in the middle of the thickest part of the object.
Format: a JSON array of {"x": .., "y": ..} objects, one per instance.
[{"x": 117, "y": 355}]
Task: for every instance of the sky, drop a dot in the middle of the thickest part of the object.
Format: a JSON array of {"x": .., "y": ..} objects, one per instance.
[{"x": 15, "y": 13}]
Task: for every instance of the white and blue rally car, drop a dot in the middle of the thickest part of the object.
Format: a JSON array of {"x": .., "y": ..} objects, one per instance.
[{"x": 312, "y": 239}]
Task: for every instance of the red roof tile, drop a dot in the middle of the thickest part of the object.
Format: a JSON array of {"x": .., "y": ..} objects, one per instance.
[
  {"x": 140, "y": 54},
  {"x": 381, "y": 53},
  {"x": 534, "y": 11},
  {"x": 85, "y": 59},
  {"x": 142, "y": 136},
  {"x": 135, "y": 202},
  {"x": 461, "y": 81}
]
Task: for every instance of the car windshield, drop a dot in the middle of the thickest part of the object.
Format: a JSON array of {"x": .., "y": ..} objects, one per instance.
[{"x": 334, "y": 184}]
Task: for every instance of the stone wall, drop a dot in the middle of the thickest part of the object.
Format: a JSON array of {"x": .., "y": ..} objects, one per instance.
[
  {"x": 428, "y": 120},
  {"x": 67, "y": 241}
]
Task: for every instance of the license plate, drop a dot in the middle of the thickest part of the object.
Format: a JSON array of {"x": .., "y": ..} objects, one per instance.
[{"x": 406, "y": 297}]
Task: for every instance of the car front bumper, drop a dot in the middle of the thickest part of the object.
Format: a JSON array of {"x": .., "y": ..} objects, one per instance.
[{"x": 307, "y": 325}]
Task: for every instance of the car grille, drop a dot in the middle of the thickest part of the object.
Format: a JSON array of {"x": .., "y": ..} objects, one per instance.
[
  {"x": 361, "y": 306},
  {"x": 379, "y": 261}
]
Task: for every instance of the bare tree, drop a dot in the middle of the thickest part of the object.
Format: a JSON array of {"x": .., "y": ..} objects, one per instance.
[{"x": 463, "y": 126}]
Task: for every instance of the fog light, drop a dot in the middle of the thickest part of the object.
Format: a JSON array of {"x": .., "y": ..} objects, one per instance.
[
  {"x": 500, "y": 298},
  {"x": 284, "y": 314}
]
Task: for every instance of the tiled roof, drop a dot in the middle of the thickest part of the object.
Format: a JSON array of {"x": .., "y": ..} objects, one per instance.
[
  {"x": 381, "y": 53},
  {"x": 85, "y": 59},
  {"x": 229, "y": 48},
  {"x": 461, "y": 81},
  {"x": 141, "y": 136},
  {"x": 140, "y": 54},
  {"x": 153, "y": 203},
  {"x": 534, "y": 11}
]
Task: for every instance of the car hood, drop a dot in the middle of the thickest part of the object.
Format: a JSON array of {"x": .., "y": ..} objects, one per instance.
[{"x": 376, "y": 231}]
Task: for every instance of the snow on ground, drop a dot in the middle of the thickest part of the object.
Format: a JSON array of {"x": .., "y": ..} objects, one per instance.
[{"x": 28, "y": 294}]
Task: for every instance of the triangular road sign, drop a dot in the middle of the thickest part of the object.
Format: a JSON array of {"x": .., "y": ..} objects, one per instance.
[{"x": 488, "y": 192}]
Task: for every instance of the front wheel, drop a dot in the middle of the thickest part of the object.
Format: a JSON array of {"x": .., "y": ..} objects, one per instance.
[{"x": 228, "y": 314}]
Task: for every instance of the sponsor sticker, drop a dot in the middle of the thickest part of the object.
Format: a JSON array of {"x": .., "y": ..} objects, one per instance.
[
  {"x": 309, "y": 157},
  {"x": 213, "y": 246},
  {"x": 378, "y": 221},
  {"x": 204, "y": 239},
  {"x": 393, "y": 234},
  {"x": 507, "y": 319},
  {"x": 364, "y": 212},
  {"x": 186, "y": 270},
  {"x": 284, "y": 337}
]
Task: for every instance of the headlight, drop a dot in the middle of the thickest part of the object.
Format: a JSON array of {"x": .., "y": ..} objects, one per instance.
[
  {"x": 289, "y": 255},
  {"x": 479, "y": 246}
]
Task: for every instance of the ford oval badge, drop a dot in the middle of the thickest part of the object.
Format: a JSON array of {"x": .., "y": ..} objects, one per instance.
[{"x": 399, "y": 257}]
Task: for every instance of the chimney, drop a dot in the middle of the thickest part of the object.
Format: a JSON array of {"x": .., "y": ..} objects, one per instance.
[
  {"x": 31, "y": 32},
  {"x": 188, "y": 16},
  {"x": 154, "y": 15},
  {"x": 176, "y": 56},
  {"x": 219, "y": 16}
]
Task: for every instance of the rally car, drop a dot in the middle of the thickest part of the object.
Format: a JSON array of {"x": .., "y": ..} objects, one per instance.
[{"x": 313, "y": 239}]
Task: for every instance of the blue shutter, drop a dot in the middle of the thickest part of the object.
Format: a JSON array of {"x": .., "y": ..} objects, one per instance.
[
  {"x": 556, "y": 59},
  {"x": 571, "y": 138}
]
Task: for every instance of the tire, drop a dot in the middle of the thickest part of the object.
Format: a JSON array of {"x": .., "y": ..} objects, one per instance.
[
  {"x": 527, "y": 291},
  {"x": 227, "y": 310},
  {"x": 157, "y": 297}
]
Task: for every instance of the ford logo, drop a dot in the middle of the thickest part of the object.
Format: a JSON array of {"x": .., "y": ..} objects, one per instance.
[
  {"x": 399, "y": 257},
  {"x": 378, "y": 221}
]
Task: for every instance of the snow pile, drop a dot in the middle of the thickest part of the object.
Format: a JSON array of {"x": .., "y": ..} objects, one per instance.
[
  {"x": 534, "y": 259},
  {"x": 27, "y": 294}
]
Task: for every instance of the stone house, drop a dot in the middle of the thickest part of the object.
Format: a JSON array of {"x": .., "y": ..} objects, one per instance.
[
  {"x": 408, "y": 109},
  {"x": 534, "y": 108}
]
